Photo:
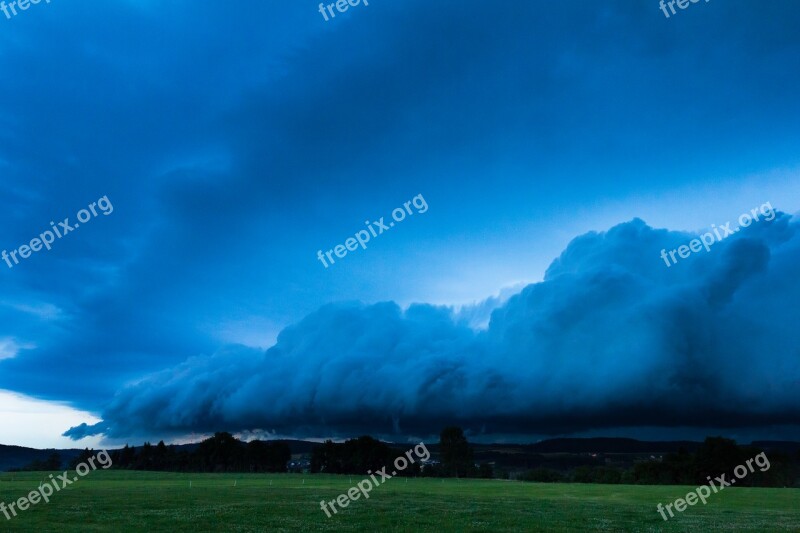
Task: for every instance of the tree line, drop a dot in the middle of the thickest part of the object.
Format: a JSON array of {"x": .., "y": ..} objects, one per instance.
[
  {"x": 221, "y": 453},
  {"x": 358, "y": 456},
  {"x": 714, "y": 457},
  {"x": 454, "y": 457},
  {"x": 225, "y": 453}
]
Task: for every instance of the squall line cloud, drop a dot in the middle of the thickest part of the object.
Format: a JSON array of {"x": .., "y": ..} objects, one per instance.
[{"x": 610, "y": 338}]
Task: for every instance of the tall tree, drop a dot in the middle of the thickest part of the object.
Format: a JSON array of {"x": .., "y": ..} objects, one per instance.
[{"x": 456, "y": 453}]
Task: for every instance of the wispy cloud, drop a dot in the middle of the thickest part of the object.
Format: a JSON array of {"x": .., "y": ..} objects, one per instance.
[{"x": 9, "y": 347}]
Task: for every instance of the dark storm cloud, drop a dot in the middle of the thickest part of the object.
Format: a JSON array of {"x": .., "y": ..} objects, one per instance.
[
  {"x": 611, "y": 338},
  {"x": 234, "y": 141}
]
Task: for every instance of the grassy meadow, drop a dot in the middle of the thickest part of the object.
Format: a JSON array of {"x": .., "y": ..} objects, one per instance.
[{"x": 123, "y": 501}]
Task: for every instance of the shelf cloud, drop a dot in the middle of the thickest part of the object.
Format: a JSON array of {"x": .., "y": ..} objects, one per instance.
[{"x": 610, "y": 338}]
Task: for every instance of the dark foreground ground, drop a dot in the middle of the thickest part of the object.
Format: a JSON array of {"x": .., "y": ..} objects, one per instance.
[{"x": 124, "y": 501}]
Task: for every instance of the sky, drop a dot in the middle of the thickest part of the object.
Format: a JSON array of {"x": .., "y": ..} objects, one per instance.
[{"x": 557, "y": 148}]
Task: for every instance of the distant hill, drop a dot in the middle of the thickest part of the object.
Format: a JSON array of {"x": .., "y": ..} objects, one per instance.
[
  {"x": 18, "y": 456},
  {"x": 611, "y": 445},
  {"x": 620, "y": 445},
  {"x": 296, "y": 446},
  {"x": 512, "y": 455},
  {"x": 778, "y": 446},
  {"x": 566, "y": 454}
]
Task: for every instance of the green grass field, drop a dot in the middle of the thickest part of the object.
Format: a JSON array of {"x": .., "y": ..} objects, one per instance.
[{"x": 117, "y": 501}]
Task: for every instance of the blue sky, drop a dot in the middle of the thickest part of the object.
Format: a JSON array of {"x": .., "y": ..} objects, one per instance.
[{"x": 235, "y": 142}]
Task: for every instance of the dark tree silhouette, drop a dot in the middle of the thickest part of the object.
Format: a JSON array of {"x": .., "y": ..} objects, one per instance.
[{"x": 456, "y": 453}]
